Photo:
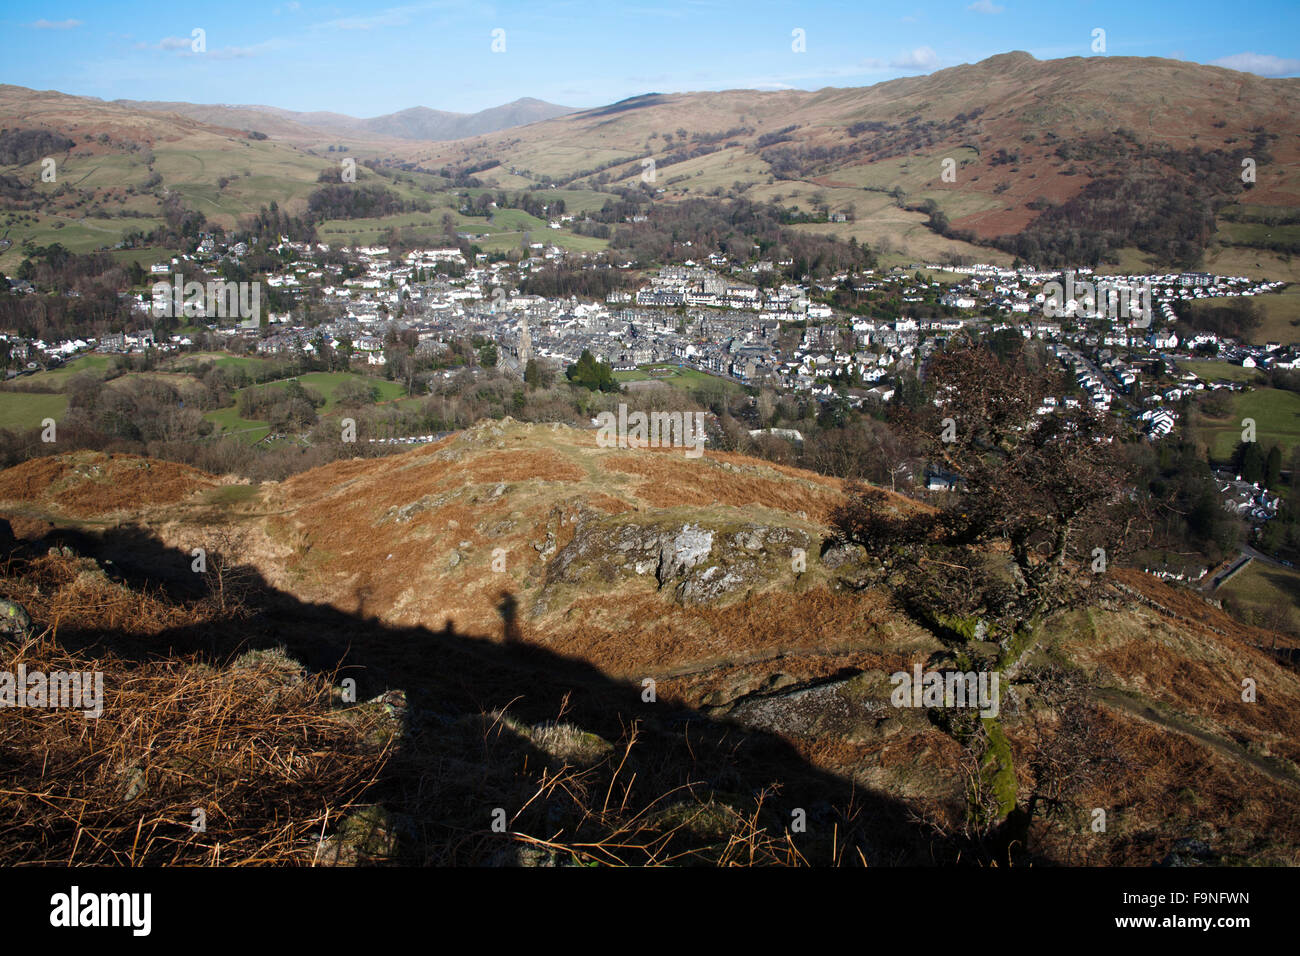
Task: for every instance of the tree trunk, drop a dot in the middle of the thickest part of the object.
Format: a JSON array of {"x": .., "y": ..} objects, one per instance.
[{"x": 1059, "y": 543}]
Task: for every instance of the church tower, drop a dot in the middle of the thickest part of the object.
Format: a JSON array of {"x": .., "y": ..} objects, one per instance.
[{"x": 525, "y": 343}]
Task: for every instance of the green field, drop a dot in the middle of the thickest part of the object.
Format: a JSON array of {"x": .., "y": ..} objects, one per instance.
[
  {"x": 22, "y": 410},
  {"x": 145, "y": 255},
  {"x": 1257, "y": 233},
  {"x": 504, "y": 232},
  {"x": 58, "y": 378},
  {"x": 76, "y": 234},
  {"x": 327, "y": 383},
  {"x": 364, "y": 232},
  {"x": 1281, "y": 315},
  {"x": 683, "y": 378},
  {"x": 1262, "y": 586},
  {"x": 507, "y": 241},
  {"x": 1277, "y": 422},
  {"x": 1211, "y": 371},
  {"x": 228, "y": 421}
]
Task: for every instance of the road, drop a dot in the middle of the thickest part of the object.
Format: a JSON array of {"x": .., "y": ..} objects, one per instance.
[
  {"x": 1106, "y": 379},
  {"x": 1250, "y": 552}
]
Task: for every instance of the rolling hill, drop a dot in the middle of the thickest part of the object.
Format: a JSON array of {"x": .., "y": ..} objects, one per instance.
[
  {"x": 1126, "y": 160},
  {"x": 118, "y": 163},
  {"x": 538, "y": 622},
  {"x": 1025, "y": 136}
]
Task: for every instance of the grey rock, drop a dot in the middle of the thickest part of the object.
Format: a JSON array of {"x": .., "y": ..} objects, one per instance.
[{"x": 14, "y": 619}]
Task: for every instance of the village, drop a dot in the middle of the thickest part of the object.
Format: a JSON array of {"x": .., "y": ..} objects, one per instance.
[{"x": 719, "y": 317}]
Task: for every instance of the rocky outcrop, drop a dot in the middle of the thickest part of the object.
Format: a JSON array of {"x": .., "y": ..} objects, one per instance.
[
  {"x": 15, "y": 624},
  {"x": 697, "y": 563}
]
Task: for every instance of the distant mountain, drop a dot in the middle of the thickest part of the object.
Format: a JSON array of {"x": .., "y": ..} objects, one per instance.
[
  {"x": 427, "y": 124},
  {"x": 417, "y": 123},
  {"x": 1053, "y": 160},
  {"x": 1144, "y": 162}
]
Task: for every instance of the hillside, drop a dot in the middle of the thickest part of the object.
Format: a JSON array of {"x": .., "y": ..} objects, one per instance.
[
  {"x": 1131, "y": 161},
  {"x": 124, "y": 164},
  {"x": 502, "y": 597},
  {"x": 123, "y": 170},
  {"x": 1025, "y": 135}
]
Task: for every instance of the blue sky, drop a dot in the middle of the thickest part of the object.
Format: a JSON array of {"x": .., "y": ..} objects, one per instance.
[{"x": 371, "y": 59}]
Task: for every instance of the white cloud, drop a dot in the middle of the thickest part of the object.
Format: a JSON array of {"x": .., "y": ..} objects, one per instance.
[
  {"x": 922, "y": 58},
  {"x": 184, "y": 47},
  {"x": 55, "y": 24},
  {"x": 1264, "y": 64},
  {"x": 985, "y": 6}
]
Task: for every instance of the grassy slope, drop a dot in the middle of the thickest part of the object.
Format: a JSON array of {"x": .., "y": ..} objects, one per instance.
[
  {"x": 326, "y": 383},
  {"x": 1266, "y": 586},
  {"x": 1281, "y": 312},
  {"x": 372, "y": 541},
  {"x": 57, "y": 379},
  {"x": 1163, "y": 100},
  {"x": 1277, "y": 421},
  {"x": 1020, "y": 97},
  {"x": 23, "y": 411}
]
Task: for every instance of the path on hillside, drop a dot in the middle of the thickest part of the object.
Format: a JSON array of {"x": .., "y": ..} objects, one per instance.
[
  {"x": 769, "y": 655},
  {"x": 1134, "y": 706}
]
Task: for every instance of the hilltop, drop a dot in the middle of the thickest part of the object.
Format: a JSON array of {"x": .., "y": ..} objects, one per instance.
[
  {"x": 1142, "y": 155},
  {"x": 501, "y": 598},
  {"x": 1026, "y": 137},
  {"x": 1136, "y": 160}
]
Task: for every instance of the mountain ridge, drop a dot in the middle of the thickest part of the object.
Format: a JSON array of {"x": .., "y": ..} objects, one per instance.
[
  {"x": 1008, "y": 157},
  {"x": 417, "y": 122}
]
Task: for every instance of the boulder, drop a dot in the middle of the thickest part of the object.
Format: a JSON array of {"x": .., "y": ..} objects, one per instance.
[{"x": 15, "y": 623}]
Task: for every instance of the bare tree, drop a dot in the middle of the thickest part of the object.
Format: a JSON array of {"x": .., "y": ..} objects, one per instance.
[{"x": 1048, "y": 486}]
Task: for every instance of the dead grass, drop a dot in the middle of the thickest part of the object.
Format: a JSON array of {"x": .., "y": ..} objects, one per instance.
[
  {"x": 524, "y": 465},
  {"x": 638, "y": 631},
  {"x": 668, "y": 483},
  {"x": 377, "y": 539},
  {"x": 255, "y": 747},
  {"x": 1166, "y": 787},
  {"x": 75, "y": 594},
  {"x": 91, "y": 483}
]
